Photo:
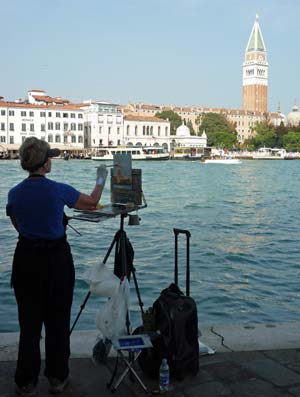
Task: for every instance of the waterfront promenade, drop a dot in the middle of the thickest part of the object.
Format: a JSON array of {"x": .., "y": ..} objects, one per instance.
[{"x": 248, "y": 361}]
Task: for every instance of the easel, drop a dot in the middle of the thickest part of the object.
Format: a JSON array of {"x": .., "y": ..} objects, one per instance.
[{"x": 123, "y": 267}]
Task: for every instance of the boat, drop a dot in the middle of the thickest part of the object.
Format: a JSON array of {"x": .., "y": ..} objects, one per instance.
[
  {"x": 187, "y": 153},
  {"x": 155, "y": 153},
  {"x": 265, "y": 153},
  {"x": 136, "y": 152},
  {"x": 221, "y": 160}
]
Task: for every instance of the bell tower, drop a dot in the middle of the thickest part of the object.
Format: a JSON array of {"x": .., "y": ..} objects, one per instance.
[{"x": 255, "y": 72}]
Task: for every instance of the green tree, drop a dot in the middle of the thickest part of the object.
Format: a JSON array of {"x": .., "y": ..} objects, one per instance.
[
  {"x": 280, "y": 131},
  {"x": 174, "y": 118},
  {"x": 291, "y": 141},
  {"x": 220, "y": 132},
  {"x": 265, "y": 136},
  {"x": 191, "y": 128}
]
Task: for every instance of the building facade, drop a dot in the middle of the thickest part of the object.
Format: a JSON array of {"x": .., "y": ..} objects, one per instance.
[
  {"x": 255, "y": 72},
  {"x": 103, "y": 124},
  {"x": 76, "y": 126},
  {"x": 243, "y": 120},
  {"x": 146, "y": 131},
  {"x": 54, "y": 120}
]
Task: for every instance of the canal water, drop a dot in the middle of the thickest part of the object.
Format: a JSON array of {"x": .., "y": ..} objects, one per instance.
[{"x": 244, "y": 222}]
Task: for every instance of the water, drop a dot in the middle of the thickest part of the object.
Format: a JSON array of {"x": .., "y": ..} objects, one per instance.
[{"x": 244, "y": 221}]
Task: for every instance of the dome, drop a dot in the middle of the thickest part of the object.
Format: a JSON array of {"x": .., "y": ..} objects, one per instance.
[
  {"x": 183, "y": 130},
  {"x": 293, "y": 118}
]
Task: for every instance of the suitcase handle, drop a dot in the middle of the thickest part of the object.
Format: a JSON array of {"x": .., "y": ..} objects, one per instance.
[
  {"x": 182, "y": 231},
  {"x": 188, "y": 235}
]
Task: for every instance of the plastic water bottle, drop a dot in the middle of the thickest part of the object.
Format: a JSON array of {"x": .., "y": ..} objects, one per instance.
[{"x": 164, "y": 376}]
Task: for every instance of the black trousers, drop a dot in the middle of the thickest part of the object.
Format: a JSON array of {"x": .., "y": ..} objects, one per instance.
[{"x": 43, "y": 280}]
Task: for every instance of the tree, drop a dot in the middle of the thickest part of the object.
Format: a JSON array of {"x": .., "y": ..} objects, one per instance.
[
  {"x": 280, "y": 131},
  {"x": 220, "y": 132},
  {"x": 189, "y": 124},
  {"x": 265, "y": 136},
  {"x": 291, "y": 141},
  {"x": 174, "y": 118}
]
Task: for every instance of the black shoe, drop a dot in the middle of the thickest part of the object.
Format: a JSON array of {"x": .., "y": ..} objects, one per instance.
[
  {"x": 56, "y": 386},
  {"x": 28, "y": 390}
]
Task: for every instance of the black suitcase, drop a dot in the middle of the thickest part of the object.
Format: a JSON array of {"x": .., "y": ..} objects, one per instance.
[{"x": 176, "y": 327}]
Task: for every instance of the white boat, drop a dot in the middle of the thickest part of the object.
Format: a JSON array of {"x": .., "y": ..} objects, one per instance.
[
  {"x": 137, "y": 153},
  {"x": 220, "y": 161},
  {"x": 265, "y": 153},
  {"x": 155, "y": 153}
]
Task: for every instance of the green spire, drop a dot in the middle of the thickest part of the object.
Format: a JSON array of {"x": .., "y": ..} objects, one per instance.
[
  {"x": 251, "y": 45},
  {"x": 256, "y": 41},
  {"x": 260, "y": 43}
]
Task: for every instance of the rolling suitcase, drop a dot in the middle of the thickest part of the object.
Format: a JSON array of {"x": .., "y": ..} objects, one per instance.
[{"x": 175, "y": 322}]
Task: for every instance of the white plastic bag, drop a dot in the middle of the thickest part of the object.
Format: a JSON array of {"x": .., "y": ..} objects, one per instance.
[
  {"x": 111, "y": 317},
  {"x": 102, "y": 281}
]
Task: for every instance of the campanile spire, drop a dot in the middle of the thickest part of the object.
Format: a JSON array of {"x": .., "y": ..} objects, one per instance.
[{"x": 255, "y": 72}]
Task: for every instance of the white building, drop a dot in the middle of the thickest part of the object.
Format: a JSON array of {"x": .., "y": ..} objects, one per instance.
[
  {"x": 103, "y": 124},
  {"x": 146, "y": 131},
  {"x": 52, "y": 119},
  {"x": 183, "y": 138},
  {"x": 106, "y": 125},
  {"x": 70, "y": 126}
]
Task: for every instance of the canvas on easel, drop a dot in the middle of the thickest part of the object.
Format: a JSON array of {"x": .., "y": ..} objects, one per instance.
[{"x": 125, "y": 182}]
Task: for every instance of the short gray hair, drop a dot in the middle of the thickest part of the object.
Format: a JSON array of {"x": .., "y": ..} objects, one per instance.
[{"x": 33, "y": 153}]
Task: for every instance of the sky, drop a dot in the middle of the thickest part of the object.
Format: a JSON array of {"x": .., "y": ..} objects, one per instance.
[{"x": 165, "y": 52}]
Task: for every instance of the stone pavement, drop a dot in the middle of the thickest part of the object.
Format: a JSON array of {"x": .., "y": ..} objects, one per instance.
[
  {"x": 269, "y": 373},
  {"x": 260, "y": 361}
]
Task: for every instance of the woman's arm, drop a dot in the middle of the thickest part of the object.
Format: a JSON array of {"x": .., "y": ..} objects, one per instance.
[{"x": 86, "y": 201}]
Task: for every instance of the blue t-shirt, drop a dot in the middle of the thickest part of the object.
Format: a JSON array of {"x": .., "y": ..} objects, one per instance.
[{"x": 37, "y": 204}]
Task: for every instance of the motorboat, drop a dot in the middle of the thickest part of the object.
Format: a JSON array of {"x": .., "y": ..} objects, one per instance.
[
  {"x": 265, "y": 153},
  {"x": 224, "y": 160}
]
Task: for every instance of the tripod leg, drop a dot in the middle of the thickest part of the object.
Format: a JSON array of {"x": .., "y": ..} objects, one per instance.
[
  {"x": 89, "y": 293},
  {"x": 137, "y": 290},
  {"x": 110, "y": 248},
  {"x": 81, "y": 308}
]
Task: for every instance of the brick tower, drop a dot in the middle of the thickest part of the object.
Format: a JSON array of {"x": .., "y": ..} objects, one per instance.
[{"x": 255, "y": 72}]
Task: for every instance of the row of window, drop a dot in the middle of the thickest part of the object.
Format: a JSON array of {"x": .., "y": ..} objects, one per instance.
[
  {"x": 250, "y": 123},
  {"x": 147, "y": 130},
  {"x": 109, "y": 119},
  {"x": 51, "y": 138},
  {"x": 108, "y": 130},
  {"x": 101, "y": 142},
  {"x": 65, "y": 126},
  {"x": 24, "y": 127},
  {"x": 11, "y": 127},
  {"x": 251, "y": 72},
  {"x": 3, "y": 139},
  {"x": 58, "y": 138},
  {"x": 24, "y": 113}
]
